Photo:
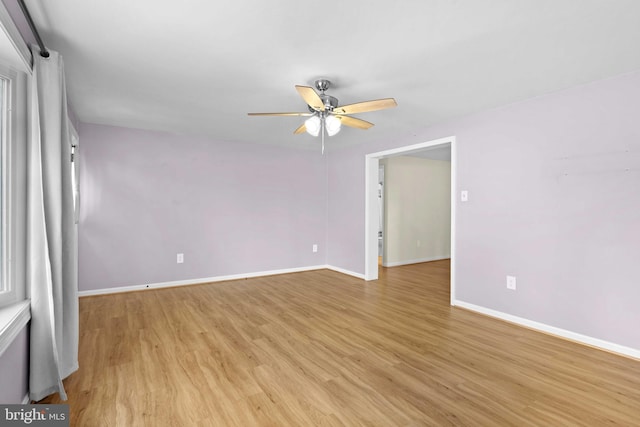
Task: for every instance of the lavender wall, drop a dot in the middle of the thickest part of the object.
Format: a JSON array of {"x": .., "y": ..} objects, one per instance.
[
  {"x": 14, "y": 369},
  {"x": 231, "y": 208},
  {"x": 554, "y": 199}
]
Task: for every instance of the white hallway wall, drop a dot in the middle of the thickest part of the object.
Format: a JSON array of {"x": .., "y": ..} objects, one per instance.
[{"x": 417, "y": 210}]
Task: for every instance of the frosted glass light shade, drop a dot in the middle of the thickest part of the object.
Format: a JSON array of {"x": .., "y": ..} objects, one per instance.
[
  {"x": 332, "y": 124},
  {"x": 312, "y": 124}
]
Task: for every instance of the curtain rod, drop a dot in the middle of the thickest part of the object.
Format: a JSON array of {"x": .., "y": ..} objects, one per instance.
[{"x": 43, "y": 50}]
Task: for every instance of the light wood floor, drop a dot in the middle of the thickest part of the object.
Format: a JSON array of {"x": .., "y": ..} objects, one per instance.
[{"x": 320, "y": 349}]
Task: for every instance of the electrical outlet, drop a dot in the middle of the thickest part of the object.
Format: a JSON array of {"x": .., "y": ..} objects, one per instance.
[
  {"x": 314, "y": 248},
  {"x": 180, "y": 258},
  {"x": 511, "y": 282}
]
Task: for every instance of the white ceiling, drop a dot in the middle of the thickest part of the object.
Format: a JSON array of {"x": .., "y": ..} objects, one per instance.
[{"x": 198, "y": 66}]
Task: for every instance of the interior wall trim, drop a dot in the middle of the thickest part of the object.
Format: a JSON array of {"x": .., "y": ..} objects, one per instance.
[
  {"x": 347, "y": 272},
  {"x": 119, "y": 289},
  {"x": 552, "y": 330}
]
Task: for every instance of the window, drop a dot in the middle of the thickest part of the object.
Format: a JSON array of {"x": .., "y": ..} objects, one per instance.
[
  {"x": 7, "y": 291},
  {"x": 12, "y": 185},
  {"x": 14, "y": 69},
  {"x": 3, "y": 286}
]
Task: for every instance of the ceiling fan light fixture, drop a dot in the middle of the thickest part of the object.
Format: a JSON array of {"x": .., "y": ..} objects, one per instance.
[
  {"x": 326, "y": 116},
  {"x": 313, "y": 125},
  {"x": 332, "y": 124}
]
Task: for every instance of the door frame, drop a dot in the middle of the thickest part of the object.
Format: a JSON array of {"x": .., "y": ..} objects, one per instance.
[{"x": 372, "y": 163}]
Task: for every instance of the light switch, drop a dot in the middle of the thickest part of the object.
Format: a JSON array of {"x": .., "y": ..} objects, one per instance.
[{"x": 464, "y": 195}]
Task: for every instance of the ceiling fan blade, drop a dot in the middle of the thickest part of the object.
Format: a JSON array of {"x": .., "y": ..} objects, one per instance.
[
  {"x": 355, "y": 123},
  {"x": 310, "y": 97},
  {"x": 301, "y": 129},
  {"x": 363, "y": 107},
  {"x": 280, "y": 114}
]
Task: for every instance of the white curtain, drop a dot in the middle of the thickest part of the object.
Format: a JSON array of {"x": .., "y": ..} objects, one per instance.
[{"x": 52, "y": 277}]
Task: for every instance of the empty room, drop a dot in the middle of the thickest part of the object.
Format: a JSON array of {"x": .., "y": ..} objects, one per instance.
[{"x": 420, "y": 213}]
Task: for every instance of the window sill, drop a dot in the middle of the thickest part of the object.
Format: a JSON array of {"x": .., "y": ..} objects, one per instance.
[{"x": 13, "y": 319}]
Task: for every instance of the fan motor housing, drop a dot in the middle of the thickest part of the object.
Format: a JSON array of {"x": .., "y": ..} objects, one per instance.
[{"x": 329, "y": 102}]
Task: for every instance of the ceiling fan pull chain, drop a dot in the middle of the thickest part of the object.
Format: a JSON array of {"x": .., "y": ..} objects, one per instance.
[{"x": 322, "y": 132}]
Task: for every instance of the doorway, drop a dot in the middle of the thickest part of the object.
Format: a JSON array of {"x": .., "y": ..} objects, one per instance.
[
  {"x": 381, "y": 205},
  {"x": 372, "y": 210}
]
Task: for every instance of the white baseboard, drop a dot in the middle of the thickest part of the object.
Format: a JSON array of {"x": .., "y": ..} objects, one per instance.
[
  {"x": 415, "y": 261},
  {"x": 343, "y": 271},
  {"x": 552, "y": 330},
  {"x": 26, "y": 400},
  {"x": 120, "y": 289}
]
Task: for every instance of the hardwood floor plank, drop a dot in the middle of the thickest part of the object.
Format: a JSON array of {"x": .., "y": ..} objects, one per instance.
[{"x": 320, "y": 348}]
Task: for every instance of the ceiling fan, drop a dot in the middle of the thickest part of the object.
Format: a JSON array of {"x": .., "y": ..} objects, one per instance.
[{"x": 325, "y": 116}]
